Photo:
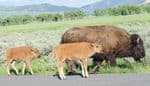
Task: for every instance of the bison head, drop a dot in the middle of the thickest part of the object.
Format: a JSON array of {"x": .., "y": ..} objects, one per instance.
[{"x": 138, "y": 51}]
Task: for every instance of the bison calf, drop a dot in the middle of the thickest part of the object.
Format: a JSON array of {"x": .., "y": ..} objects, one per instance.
[
  {"x": 75, "y": 51},
  {"x": 22, "y": 53}
]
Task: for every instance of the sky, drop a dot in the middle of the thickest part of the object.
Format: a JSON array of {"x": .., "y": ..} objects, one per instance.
[{"x": 70, "y": 3}]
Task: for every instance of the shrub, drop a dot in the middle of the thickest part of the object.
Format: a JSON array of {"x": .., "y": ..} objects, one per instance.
[
  {"x": 48, "y": 17},
  {"x": 78, "y": 14},
  {"x": 120, "y": 10}
]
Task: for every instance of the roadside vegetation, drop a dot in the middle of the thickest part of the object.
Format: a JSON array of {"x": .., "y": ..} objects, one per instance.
[
  {"x": 114, "y": 20},
  {"x": 72, "y": 15}
]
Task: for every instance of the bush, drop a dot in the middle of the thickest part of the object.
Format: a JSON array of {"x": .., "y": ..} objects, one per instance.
[
  {"x": 128, "y": 10},
  {"x": 18, "y": 19},
  {"x": 78, "y": 14},
  {"x": 146, "y": 8},
  {"x": 99, "y": 12},
  {"x": 3, "y": 22},
  {"x": 48, "y": 17},
  {"x": 120, "y": 10}
]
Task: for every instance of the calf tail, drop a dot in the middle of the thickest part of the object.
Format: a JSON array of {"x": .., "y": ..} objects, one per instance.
[{"x": 54, "y": 54}]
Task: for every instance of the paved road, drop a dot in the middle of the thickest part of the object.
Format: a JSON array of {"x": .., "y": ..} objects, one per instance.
[{"x": 77, "y": 80}]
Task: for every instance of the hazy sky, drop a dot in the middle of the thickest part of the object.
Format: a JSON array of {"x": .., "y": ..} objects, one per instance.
[{"x": 71, "y": 3}]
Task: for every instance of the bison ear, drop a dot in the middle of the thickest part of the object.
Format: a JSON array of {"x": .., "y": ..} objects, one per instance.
[{"x": 135, "y": 39}]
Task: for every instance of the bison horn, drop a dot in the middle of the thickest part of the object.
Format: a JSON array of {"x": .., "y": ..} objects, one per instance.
[
  {"x": 138, "y": 39},
  {"x": 144, "y": 61}
]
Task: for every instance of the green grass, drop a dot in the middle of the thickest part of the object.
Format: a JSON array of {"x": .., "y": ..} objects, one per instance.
[
  {"x": 43, "y": 66},
  {"x": 123, "y": 67},
  {"x": 114, "y": 20},
  {"x": 40, "y": 66}
]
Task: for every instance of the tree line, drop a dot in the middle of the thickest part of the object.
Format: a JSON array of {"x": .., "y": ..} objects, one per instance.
[
  {"x": 77, "y": 14},
  {"x": 123, "y": 10}
]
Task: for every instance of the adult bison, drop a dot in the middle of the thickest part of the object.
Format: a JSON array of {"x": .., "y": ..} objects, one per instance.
[{"x": 116, "y": 42}]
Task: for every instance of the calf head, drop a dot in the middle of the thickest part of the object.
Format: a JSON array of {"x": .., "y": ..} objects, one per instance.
[
  {"x": 137, "y": 50},
  {"x": 97, "y": 47},
  {"x": 35, "y": 52}
]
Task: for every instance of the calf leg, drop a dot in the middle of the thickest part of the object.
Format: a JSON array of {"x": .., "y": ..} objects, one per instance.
[
  {"x": 14, "y": 67},
  {"x": 60, "y": 69},
  {"x": 84, "y": 62},
  {"x": 8, "y": 67},
  {"x": 82, "y": 67},
  {"x": 29, "y": 66},
  {"x": 23, "y": 69}
]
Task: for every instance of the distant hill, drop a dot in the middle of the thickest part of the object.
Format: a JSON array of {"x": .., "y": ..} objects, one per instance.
[
  {"x": 111, "y": 3},
  {"x": 6, "y": 11},
  {"x": 45, "y": 7},
  {"x": 37, "y": 8},
  {"x": 146, "y": 2}
]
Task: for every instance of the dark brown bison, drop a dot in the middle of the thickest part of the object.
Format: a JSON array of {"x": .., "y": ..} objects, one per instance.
[{"x": 116, "y": 42}]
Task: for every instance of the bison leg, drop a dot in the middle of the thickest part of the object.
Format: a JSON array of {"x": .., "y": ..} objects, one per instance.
[
  {"x": 71, "y": 67},
  {"x": 14, "y": 67},
  {"x": 23, "y": 69},
  {"x": 29, "y": 66},
  {"x": 95, "y": 69},
  {"x": 68, "y": 63},
  {"x": 84, "y": 68},
  {"x": 96, "y": 65},
  {"x": 60, "y": 69},
  {"x": 112, "y": 60}
]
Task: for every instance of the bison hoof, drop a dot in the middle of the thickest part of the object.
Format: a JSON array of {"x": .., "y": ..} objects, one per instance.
[{"x": 93, "y": 72}]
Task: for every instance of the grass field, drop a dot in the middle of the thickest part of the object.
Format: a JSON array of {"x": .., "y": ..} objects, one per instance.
[{"x": 45, "y": 35}]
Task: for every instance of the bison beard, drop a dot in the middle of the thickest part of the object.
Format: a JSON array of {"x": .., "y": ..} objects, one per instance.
[{"x": 116, "y": 43}]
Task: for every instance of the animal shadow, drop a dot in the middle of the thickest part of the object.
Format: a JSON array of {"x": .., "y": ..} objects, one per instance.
[
  {"x": 69, "y": 74},
  {"x": 12, "y": 71}
]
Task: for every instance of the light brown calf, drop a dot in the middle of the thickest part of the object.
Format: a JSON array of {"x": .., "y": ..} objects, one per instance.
[
  {"x": 75, "y": 51},
  {"x": 21, "y": 53}
]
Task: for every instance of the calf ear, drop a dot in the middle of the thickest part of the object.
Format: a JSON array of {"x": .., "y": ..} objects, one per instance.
[
  {"x": 92, "y": 44},
  {"x": 32, "y": 49}
]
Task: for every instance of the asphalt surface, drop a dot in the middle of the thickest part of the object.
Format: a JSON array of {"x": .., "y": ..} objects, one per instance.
[{"x": 77, "y": 80}]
